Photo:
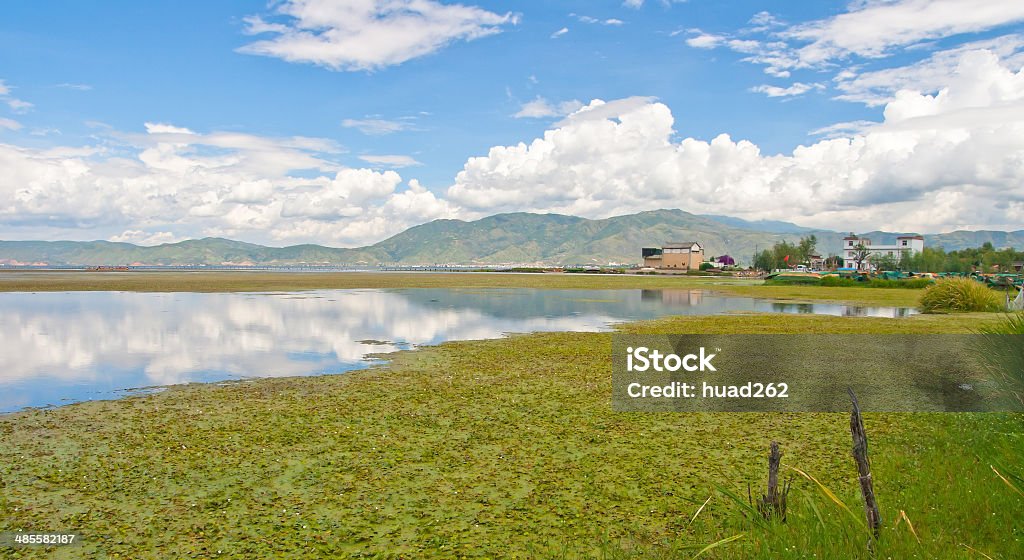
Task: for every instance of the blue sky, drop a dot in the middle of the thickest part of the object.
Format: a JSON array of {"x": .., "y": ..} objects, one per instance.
[{"x": 343, "y": 122}]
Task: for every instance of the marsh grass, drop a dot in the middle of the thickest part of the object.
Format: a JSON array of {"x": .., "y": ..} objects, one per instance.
[
  {"x": 497, "y": 448},
  {"x": 960, "y": 295}
]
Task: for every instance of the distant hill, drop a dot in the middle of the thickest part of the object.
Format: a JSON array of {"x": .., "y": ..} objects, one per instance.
[{"x": 521, "y": 238}]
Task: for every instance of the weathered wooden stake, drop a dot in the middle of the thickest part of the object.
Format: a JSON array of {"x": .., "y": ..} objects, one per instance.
[
  {"x": 773, "y": 504},
  {"x": 860, "y": 455}
]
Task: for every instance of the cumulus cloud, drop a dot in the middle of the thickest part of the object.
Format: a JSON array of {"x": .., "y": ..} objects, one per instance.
[
  {"x": 943, "y": 157},
  {"x": 354, "y": 35},
  {"x": 173, "y": 179},
  {"x": 542, "y": 108},
  {"x": 878, "y": 87},
  {"x": 938, "y": 161}
]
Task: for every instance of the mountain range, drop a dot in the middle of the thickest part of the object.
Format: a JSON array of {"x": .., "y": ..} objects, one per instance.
[{"x": 520, "y": 238}]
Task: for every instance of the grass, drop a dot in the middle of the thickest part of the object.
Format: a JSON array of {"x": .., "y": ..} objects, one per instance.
[
  {"x": 1012, "y": 323},
  {"x": 960, "y": 295},
  {"x": 907, "y": 284},
  {"x": 498, "y": 448},
  {"x": 165, "y": 281}
]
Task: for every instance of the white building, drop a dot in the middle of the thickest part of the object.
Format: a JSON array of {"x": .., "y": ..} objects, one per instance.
[{"x": 905, "y": 244}]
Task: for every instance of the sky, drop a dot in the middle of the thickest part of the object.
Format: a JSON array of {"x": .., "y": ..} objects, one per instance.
[{"x": 343, "y": 122}]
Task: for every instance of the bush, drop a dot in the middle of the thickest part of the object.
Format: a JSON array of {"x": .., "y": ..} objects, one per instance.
[
  {"x": 909, "y": 283},
  {"x": 960, "y": 295},
  {"x": 794, "y": 281}
]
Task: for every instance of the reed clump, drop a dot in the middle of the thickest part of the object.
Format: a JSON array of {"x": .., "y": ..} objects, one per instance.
[{"x": 959, "y": 295}]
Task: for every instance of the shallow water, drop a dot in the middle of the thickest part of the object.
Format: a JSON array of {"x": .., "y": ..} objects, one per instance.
[{"x": 57, "y": 348}]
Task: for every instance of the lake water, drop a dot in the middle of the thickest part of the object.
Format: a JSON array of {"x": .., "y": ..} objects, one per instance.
[{"x": 57, "y": 348}]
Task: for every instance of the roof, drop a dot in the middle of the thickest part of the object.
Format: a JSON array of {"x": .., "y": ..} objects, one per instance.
[
  {"x": 911, "y": 237},
  {"x": 681, "y": 245}
]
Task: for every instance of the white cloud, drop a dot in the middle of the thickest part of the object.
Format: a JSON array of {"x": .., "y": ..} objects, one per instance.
[
  {"x": 189, "y": 184},
  {"x": 395, "y": 161},
  {"x": 161, "y": 128},
  {"x": 869, "y": 30},
  {"x": 704, "y": 40},
  {"x": 76, "y": 87},
  {"x": 872, "y": 28},
  {"x": 843, "y": 129},
  {"x": 560, "y": 32},
  {"x": 798, "y": 88},
  {"x": 633, "y": 3},
  {"x": 593, "y": 20},
  {"x": 356, "y": 35},
  {"x": 19, "y": 106},
  {"x": 945, "y": 157},
  {"x": 542, "y": 108},
  {"x": 10, "y": 124},
  {"x": 938, "y": 162},
  {"x": 139, "y": 237},
  {"x": 16, "y": 105},
  {"x": 879, "y": 87},
  {"x": 377, "y": 127}
]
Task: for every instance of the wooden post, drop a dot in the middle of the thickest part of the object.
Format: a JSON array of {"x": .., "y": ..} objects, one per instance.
[
  {"x": 773, "y": 504},
  {"x": 860, "y": 455}
]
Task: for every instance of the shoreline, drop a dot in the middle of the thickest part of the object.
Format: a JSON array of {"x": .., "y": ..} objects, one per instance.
[{"x": 215, "y": 281}]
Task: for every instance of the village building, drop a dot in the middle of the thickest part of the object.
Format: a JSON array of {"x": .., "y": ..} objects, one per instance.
[
  {"x": 674, "y": 256},
  {"x": 905, "y": 245}
]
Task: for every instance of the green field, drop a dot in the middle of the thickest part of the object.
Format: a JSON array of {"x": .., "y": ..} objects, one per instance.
[{"x": 500, "y": 448}]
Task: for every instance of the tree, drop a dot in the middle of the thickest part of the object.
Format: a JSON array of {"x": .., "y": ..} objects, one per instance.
[
  {"x": 806, "y": 247},
  {"x": 884, "y": 262},
  {"x": 861, "y": 253}
]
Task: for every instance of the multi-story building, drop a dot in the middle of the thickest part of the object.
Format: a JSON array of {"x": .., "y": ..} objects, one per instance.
[{"x": 905, "y": 244}]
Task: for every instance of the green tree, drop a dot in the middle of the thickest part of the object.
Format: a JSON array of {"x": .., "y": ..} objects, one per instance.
[{"x": 806, "y": 247}]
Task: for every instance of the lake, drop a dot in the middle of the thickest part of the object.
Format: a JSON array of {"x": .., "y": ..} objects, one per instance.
[{"x": 63, "y": 347}]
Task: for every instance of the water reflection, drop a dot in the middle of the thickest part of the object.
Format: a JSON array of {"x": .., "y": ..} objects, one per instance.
[{"x": 62, "y": 347}]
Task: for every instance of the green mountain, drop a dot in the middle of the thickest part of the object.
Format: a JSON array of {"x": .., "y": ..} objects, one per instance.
[{"x": 519, "y": 238}]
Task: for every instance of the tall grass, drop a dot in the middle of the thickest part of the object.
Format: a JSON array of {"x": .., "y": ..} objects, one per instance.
[
  {"x": 909, "y": 283},
  {"x": 1004, "y": 355},
  {"x": 960, "y": 295},
  {"x": 1013, "y": 323}
]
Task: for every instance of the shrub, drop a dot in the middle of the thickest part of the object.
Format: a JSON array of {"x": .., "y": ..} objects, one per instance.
[
  {"x": 959, "y": 295},
  {"x": 909, "y": 283},
  {"x": 794, "y": 281}
]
